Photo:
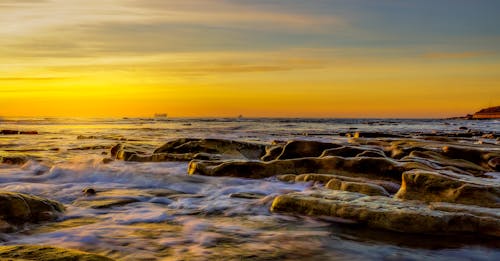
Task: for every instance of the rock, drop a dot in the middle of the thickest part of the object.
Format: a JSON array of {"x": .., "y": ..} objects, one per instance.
[
  {"x": 373, "y": 135},
  {"x": 19, "y": 208},
  {"x": 272, "y": 152},
  {"x": 189, "y": 149},
  {"x": 372, "y": 154},
  {"x": 494, "y": 163},
  {"x": 126, "y": 151},
  {"x": 15, "y": 132},
  {"x": 107, "y": 160},
  {"x": 46, "y": 253},
  {"x": 13, "y": 160},
  {"x": 352, "y": 151},
  {"x": 89, "y": 192},
  {"x": 162, "y": 192},
  {"x": 302, "y": 149},
  {"x": 227, "y": 148},
  {"x": 344, "y": 151},
  {"x": 477, "y": 156},
  {"x": 438, "y": 159},
  {"x": 161, "y": 157},
  {"x": 436, "y": 187},
  {"x": 28, "y": 132},
  {"x": 9, "y": 132},
  {"x": 104, "y": 202},
  {"x": 247, "y": 195},
  {"x": 489, "y": 136},
  {"x": 383, "y": 186},
  {"x": 385, "y": 213},
  {"x": 5, "y": 227},
  {"x": 83, "y": 137},
  {"x": 359, "y": 187},
  {"x": 375, "y": 167},
  {"x": 488, "y": 113},
  {"x": 287, "y": 177}
]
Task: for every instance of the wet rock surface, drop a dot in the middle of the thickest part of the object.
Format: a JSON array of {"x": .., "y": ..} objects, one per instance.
[
  {"x": 189, "y": 149},
  {"x": 388, "y": 213},
  {"x": 385, "y": 182},
  {"x": 333, "y": 192},
  {"x": 17, "y": 209}
]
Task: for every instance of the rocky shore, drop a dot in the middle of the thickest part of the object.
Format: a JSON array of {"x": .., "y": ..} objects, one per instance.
[
  {"x": 425, "y": 184},
  {"x": 409, "y": 185}
]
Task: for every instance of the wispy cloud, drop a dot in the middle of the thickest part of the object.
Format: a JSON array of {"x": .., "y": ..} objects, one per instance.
[{"x": 456, "y": 55}]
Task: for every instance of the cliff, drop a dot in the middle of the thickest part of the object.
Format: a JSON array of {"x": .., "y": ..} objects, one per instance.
[{"x": 488, "y": 113}]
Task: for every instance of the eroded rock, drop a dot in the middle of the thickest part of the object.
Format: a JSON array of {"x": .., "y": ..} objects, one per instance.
[
  {"x": 375, "y": 167},
  {"x": 359, "y": 187},
  {"x": 436, "y": 187},
  {"x": 18, "y": 208},
  {"x": 227, "y": 148},
  {"x": 302, "y": 149},
  {"x": 385, "y": 213}
]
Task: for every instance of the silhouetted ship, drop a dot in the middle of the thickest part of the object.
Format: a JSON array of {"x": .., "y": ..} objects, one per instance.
[{"x": 160, "y": 115}]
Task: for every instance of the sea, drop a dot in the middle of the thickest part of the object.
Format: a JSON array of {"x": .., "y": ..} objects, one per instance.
[{"x": 203, "y": 221}]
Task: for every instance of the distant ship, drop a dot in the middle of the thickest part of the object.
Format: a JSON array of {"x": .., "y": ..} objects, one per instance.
[{"x": 160, "y": 115}]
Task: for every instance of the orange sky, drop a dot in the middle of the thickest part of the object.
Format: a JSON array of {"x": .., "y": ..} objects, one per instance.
[{"x": 132, "y": 58}]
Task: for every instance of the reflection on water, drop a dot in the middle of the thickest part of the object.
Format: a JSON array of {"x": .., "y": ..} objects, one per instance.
[{"x": 149, "y": 211}]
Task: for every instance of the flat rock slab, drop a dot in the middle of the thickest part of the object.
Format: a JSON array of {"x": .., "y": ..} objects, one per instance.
[
  {"x": 104, "y": 202},
  {"x": 389, "y": 213}
]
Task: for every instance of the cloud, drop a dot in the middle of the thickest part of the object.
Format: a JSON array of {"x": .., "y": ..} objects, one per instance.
[{"x": 456, "y": 55}]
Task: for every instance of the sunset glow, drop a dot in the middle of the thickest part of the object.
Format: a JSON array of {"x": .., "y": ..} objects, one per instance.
[{"x": 256, "y": 58}]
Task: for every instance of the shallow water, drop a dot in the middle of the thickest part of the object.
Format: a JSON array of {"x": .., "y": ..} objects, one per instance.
[{"x": 200, "y": 220}]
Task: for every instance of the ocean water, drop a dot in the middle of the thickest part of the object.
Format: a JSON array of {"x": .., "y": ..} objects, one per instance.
[{"x": 202, "y": 222}]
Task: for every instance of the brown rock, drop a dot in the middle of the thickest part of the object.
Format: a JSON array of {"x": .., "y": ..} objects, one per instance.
[
  {"x": 477, "y": 156},
  {"x": 13, "y": 160},
  {"x": 302, "y": 149},
  {"x": 18, "y": 208},
  {"x": 272, "y": 152},
  {"x": 227, "y": 148},
  {"x": 376, "y": 167},
  {"x": 386, "y": 213},
  {"x": 359, "y": 187},
  {"x": 435, "y": 187},
  {"x": 494, "y": 163}
]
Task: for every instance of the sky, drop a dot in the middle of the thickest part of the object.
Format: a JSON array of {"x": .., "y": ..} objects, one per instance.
[{"x": 273, "y": 58}]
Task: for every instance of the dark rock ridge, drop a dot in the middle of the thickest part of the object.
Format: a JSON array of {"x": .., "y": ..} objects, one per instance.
[
  {"x": 488, "y": 113},
  {"x": 436, "y": 184},
  {"x": 361, "y": 166},
  {"x": 189, "y": 149},
  {"x": 16, "y": 132},
  {"x": 17, "y": 209},
  {"x": 483, "y": 114}
]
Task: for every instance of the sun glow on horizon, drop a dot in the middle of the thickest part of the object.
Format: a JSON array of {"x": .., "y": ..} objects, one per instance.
[{"x": 226, "y": 58}]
